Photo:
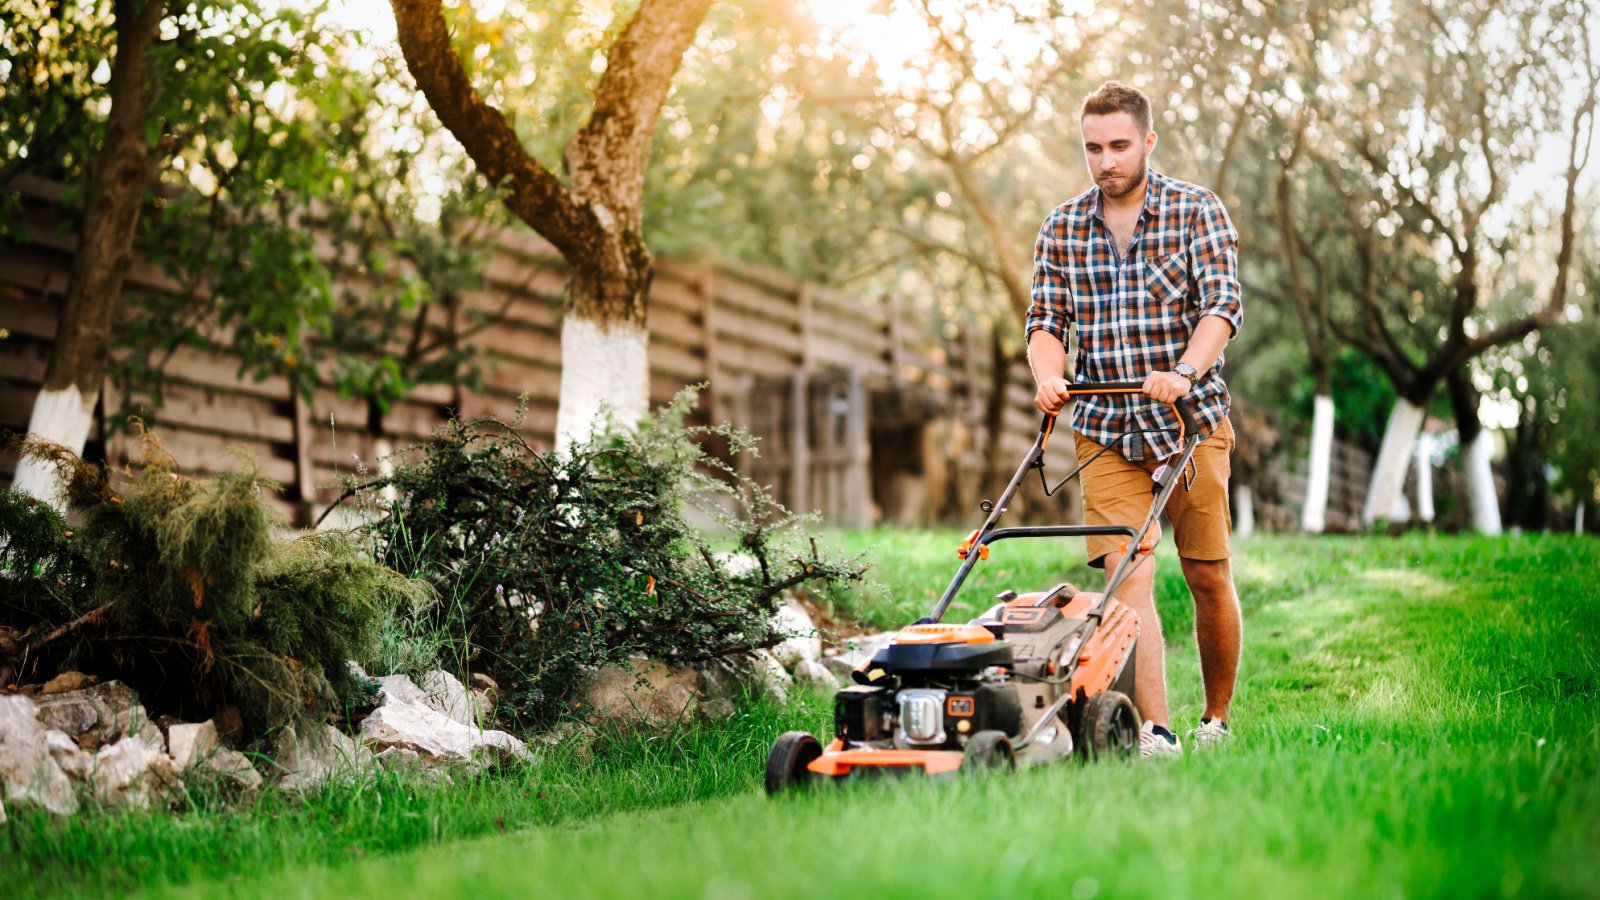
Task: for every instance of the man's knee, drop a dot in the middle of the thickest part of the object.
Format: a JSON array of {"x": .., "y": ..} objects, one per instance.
[{"x": 1210, "y": 580}]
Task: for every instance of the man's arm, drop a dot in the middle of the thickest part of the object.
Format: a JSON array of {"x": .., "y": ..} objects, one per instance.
[
  {"x": 1047, "y": 359},
  {"x": 1205, "y": 345}
]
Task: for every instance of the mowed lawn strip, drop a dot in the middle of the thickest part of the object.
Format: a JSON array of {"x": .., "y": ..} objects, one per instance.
[{"x": 1416, "y": 717}]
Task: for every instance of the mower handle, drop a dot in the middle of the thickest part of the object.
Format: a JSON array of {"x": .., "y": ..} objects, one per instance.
[{"x": 1180, "y": 408}]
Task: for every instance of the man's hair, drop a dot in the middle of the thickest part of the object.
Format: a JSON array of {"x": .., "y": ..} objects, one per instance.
[{"x": 1114, "y": 96}]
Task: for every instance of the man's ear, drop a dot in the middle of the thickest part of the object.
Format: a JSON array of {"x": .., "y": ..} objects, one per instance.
[{"x": 1149, "y": 142}]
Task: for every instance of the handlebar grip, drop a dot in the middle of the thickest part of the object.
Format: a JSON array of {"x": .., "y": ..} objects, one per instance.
[{"x": 1185, "y": 414}]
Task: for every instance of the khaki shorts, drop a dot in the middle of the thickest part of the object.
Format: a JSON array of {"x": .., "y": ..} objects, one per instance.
[{"x": 1119, "y": 492}]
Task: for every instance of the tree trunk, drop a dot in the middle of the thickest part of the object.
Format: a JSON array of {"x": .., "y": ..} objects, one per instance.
[
  {"x": 1244, "y": 511},
  {"x": 116, "y": 178},
  {"x": 1386, "y": 490},
  {"x": 995, "y": 470},
  {"x": 1425, "y": 510},
  {"x": 1314, "y": 517},
  {"x": 1476, "y": 448}
]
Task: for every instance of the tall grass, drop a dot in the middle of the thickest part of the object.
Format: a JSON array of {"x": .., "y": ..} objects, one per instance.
[{"x": 1415, "y": 717}]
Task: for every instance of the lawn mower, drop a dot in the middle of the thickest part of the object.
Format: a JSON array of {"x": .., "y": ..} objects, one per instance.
[{"x": 1041, "y": 676}]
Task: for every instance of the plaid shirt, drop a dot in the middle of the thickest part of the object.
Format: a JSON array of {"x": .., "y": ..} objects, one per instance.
[{"x": 1136, "y": 315}]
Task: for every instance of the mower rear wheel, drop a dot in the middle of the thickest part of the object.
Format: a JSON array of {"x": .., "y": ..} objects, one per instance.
[
  {"x": 1110, "y": 726},
  {"x": 786, "y": 764},
  {"x": 989, "y": 751}
]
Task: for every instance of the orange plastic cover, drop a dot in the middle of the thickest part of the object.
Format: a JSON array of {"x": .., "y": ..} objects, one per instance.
[
  {"x": 944, "y": 634},
  {"x": 840, "y": 762}
]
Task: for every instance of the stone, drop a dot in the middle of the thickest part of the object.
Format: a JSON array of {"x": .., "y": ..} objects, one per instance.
[
  {"x": 231, "y": 768},
  {"x": 400, "y": 689},
  {"x": 188, "y": 744},
  {"x": 302, "y": 765},
  {"x": 98, "y": 715},
  {"x": 3, "y": 818},
  {"x": 716, "y": 710},
  {"x": 482, "y": 682},
  {"x": 810, "y": 671},
  {"x": 447, "y": 695},
  {"x": 69, "y": 756},
  {"x": 68, "y": 681},
  {"x": 800, "y": 635},
  {"x": 130, "y": 773},
  {"x": 645, "y": 693},
  {"x": 570, "y": 736},
  {"x": 771, "y": 676},
  {"x": 855, "y": 652},
  {"x": 437, "y": 738},
  {"x": 28, "y": 772}
]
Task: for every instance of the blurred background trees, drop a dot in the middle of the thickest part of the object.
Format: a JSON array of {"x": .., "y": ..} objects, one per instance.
[{"x": 1412, "y": 186}]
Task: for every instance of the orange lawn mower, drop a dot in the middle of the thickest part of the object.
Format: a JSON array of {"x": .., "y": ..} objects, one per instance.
[{"x": 1039, "y": 677}]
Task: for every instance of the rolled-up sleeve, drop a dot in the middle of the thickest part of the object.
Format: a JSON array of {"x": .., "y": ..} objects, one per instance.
[
  {"x": 1051, "y": 309},
  {"x": 1214, "y": 251}
]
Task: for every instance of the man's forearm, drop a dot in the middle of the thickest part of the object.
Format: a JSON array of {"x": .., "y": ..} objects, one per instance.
[
  {"x": 1210, "y": 336},
  {"x": 1047, "y": 356}
]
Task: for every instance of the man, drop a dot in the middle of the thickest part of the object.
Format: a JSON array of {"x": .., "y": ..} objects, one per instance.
[{"x": 1146, "y": 268}]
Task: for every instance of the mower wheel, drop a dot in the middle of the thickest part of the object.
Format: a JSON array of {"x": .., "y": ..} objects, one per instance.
[
  {"x": 786, "y": 764},
  {"x": 989, "y": 751},
  {"x": 1110, "y": 726}
]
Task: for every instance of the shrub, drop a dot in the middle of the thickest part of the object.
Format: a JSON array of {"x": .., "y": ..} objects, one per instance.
[
  {"x": 552, "y": 564},
  {"x": 180, "y": 589}
]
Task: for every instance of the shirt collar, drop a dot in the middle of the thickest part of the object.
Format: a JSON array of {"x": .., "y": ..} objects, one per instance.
[{"x": 1154, "y": 187}]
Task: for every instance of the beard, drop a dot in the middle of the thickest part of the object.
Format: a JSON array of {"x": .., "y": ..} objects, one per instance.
[{"x": 1122, "y": 185}]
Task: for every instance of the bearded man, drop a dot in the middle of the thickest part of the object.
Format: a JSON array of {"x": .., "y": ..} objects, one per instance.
[{"x": 1145, "y": 268}]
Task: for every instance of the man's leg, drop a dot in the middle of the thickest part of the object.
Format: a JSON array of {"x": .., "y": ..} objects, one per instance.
[
  {"x": 1150, "y": 653},
  {"x": 1218, "y": 629}
]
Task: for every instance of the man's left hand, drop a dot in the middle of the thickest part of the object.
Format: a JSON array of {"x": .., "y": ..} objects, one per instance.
[{"x": 1166, "y": 387}]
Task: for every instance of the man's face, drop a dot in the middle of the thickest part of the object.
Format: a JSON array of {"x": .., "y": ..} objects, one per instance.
[{"x": 1116, "y": 150}]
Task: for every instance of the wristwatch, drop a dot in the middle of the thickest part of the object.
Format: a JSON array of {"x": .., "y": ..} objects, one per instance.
[{"x": 1188, "y": 372}]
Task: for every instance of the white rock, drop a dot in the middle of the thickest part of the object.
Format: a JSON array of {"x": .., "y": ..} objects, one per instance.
[
  {"x": 130, "y": 773},
  {"x": 646, "y": 693},
  {"x": 99, "y": 715},
  {"x": 813, "y": 672},
  {"x": 801, "y": 641},
  {"x": 232, "y": 768},
  {"x": 770, "y": 675},
  {"x": 447, "y": 695},
  {"x": 400, "y": 689},
  {"x": 69, "y": 756},
  {"x": 27, "y": 771},
  {"x": 738, "y": 564},
  {"x": 437, "y": 737},
  {"x": 302, "y": 766},
  {"x": 188, "y": 744}
]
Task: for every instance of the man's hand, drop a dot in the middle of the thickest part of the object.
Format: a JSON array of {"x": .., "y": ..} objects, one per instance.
[
  {"x": 1166, "y": 387},
  {"x": 1052, "y": 395}
]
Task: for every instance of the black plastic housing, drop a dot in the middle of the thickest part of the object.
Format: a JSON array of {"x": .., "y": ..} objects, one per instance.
[
  {"x": 973, "y": 658},
  {"x": 996, "y": 707},
  {"x": 858, "y": 713}
]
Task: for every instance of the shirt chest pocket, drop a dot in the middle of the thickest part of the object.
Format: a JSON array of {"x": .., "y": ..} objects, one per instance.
[{"x": 1167, "y": 277}]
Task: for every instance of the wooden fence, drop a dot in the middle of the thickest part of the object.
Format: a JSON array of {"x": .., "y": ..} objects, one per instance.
[{"x": 769, "y": 345}]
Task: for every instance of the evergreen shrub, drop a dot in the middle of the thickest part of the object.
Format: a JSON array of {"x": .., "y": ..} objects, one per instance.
[
  {"x": 180, "y": 588},
  {"x": 552, "y": 564}
]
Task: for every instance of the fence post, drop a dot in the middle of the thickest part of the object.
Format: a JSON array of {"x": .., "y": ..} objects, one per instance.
[
  {"x": 706, "y": 284},
  {"x": 800, "y": 442}
]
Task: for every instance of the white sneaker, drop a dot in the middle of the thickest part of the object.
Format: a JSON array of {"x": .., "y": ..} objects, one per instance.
[
  {"x": 1152, "y": 744},
  {"x": 1210, "y": 735}
]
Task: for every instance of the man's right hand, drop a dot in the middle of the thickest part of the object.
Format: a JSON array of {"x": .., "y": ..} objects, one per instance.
[{"x": 1052, "y": 395}]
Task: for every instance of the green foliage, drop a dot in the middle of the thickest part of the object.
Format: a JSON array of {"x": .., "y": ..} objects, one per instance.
[
  {"x": 553, "y": 564},
  {"x": 180, "y": 588}
]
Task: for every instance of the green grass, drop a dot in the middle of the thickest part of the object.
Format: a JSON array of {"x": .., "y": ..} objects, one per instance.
[{"x": 1416, "y": 717}]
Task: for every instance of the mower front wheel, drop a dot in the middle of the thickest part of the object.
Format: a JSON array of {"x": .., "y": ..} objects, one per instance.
[
  {"x": 1110, "y": 726},
  {"x": 989, "y": 751},
  {"x": 786, "y": 764}
]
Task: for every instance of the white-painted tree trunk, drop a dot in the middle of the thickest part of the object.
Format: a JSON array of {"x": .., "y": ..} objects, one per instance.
[
  {"x": 1244, "y": 511},
  {"x": 1577, "y": 525},
  {"x": 1425, "y": 477},
  {"x": 63, "y": 416},
  {"x": 604, "y": 371},
  {"x": 1386, "y": 491},
  {"x": 1481, "y": 494},
  {"x": 1314, "y": 517}
]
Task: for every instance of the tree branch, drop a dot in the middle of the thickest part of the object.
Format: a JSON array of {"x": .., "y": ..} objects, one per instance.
[{"x": 535, "y": 195}]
